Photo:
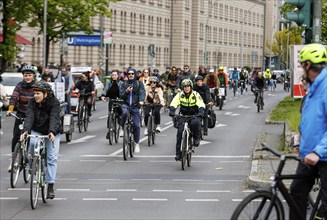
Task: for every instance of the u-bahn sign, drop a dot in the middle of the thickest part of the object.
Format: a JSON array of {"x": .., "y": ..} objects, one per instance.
[{"x": 84, "y": 40}]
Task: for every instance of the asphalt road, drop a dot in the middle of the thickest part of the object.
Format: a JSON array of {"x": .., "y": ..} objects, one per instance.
[{"x": 94, "y": 182}]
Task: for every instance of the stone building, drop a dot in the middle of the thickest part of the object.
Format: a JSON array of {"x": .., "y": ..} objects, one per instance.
[{"x": 194, "y": 32}]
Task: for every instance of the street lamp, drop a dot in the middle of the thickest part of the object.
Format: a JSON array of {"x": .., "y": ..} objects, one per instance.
[{"x": 241, "y": 36}]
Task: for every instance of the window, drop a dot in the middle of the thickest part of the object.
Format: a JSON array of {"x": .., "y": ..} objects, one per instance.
[
  {"x": 226, "y": 12},
  {"x": 151, "y": 2},
  {"x": 113, "y": 20},
  {"x": 241, "y": 16},
  {"x": 187, "y": 4},
  {"x": 142, "y": 24},
  {"x": 215, "y": 34},
  {"x": 231, "y": 13},
  {"x": 158, "y": 56},
  {"x": 158, "y": 26},
  {"x": 225, "y": 36},
  {"x": 133, "y": 22},
  {"x": 159, "y": 2},
  {"x": 168, "y": 2},
  {"x": 245, "y": 16},
  {"x": 141, "y": 55},
  {"x": 236, "y": 15},
  {"x": 236, "y": 36},
  {"x": 112, "y": 54},
  {"x": 186, "y": 29},
  {"x": 230, "y": 36},
  {"x": 253, "y": 16},
  {"x": 215, "y": 9},
  {"x": 209, "y": 34},
  {"x": 221, "y": 11},
  {"x": 220, "y": 35},
  {"x": 201, "y": 31},
  {"x": 150, "y": 24},
  {"x": 122, "y": 53},
  {"x": 167, "y": 27},
  {"x": 210, "y": 8},
  {"x": 166, "y": 56},
  {"x": 202, "y": 6}
]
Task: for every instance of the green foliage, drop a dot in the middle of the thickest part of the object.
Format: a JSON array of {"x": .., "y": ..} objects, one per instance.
[
  {"x": 324, "y": 21},
  {"x": 288, "y": 110}
]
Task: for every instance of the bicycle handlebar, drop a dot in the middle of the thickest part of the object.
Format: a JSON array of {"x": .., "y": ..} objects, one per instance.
[
  {"x": 265, "y": 147},
  {"x": 15, "y": 116}
]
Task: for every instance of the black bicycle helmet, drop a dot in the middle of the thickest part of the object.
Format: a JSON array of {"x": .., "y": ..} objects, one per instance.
[
  {"x": 198, "y": 78},
  {"x": 42, "y": 86}
]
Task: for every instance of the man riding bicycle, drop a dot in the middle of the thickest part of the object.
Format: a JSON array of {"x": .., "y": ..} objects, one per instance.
[
  {"x": 223, "y": 79},
  {"x": 190, "y": 103},
  {"x": 313, "y": 130},
  {"x": 234, "y": 77},
  {"x": 133, "y": 94},
  {"x": 42, "y": 118},
  {"x": 258, "y": 86},
  {"x": 213, "y": 83}
]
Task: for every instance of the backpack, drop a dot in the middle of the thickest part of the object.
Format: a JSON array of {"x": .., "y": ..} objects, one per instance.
[{"x": 212, "y": 118}]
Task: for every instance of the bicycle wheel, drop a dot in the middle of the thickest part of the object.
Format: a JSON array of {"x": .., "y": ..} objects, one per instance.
[
  {"x": 125, "y": 142},
  {"x": 131, "y": 142},
  {"x": 26, "y": 173},
  {"x": 255, "y": 206},
  {"x": 153, "y": 136},
  {"x": 150, "y": 130},
  {"x": 142, "y": 117},
  {"x": 258, "y": 102},
  {"x": 111, "y": 129},
  {"x": 16, "y": 165},
  {"x": 80, "y": 119},
  {"x": 116, "y": 128},
  {"x": 221, "y": 103},
  {"x": 183, "y": 151},
  {"x": 44, "y": 185},
  {"x": 35, "y": 181},
  {"x": 86, "y": 118}
]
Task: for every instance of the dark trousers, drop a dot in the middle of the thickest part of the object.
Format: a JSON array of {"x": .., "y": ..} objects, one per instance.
[
  {"x": 69, "y": 105},
  {"x": 300, "y": 188},
  {"x": 16, "y": 131},
  {"x": 116, "y": 110},
  {"x": 156, "y": 111},
  {"x": 195, "y": 128},
  {"x": 136, "y": 121},
  {"x": 205, "y": 120}
]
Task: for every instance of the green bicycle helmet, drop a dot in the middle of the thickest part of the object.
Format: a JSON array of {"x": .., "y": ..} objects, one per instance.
[
  {"x": 187, "y": 82},
  {"x": 316, "y": 53}
]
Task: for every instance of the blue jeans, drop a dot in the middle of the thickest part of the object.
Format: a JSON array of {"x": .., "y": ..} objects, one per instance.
[
  {"x": 52, "y": 155},
  {"x": 136, "y": 121}
]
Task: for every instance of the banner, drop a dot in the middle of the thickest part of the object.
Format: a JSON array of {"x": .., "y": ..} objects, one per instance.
[{"x": 296, "y": 72}]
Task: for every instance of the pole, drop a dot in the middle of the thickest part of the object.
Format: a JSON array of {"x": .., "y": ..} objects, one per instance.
[
  {"x": 107, "y": 59},
  {"x": 101, "y": 43},
  {"x": 316, "y": 22},
  {"x": 44, "y": 34},
  {"x": 288, "y": 42},
  {"x": 264, "y": 37}
]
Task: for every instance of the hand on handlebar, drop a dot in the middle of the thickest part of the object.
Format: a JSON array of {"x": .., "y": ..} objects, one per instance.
[
  {"x": 51, "y": 137},
  {"x": 24, "y": 135}
]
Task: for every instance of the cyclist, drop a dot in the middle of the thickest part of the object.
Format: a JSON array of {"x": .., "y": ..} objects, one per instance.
[
  {"x": 111, "y": 91},
  {"x": 258, "y": 84},
  {"x": 23, "y": 92},
  {"x": 186, "y": 74},
  {"x": 190, "y": 103},
  {"x": 145, "y": 79},
  {"x": 133, "y": 94},
  {"x": 213, "y": 83},
  {"x": 42, "y": 118},
  {"x": 154, "y": 95},
  {"x": 313, "y": 129},
  {"x": 202, "y": 72},
  {"x": 86, "y": 86},
  {"x": 204, "y": 91},
  {"x": 243, "y": 77},
  {"x": 235, "y": 77},
  {"x": 67, "y": 78},
  {"x": 156, "y": 74},
  {"x": 267, "y": 77},
  {"x": 172, "y": 78},
  {"x": 223, "y": 79}
]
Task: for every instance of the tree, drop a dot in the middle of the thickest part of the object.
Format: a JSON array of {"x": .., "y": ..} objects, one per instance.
[
  {"x": 282, "y": 40},
  {"x": 324, "y": 21},
  {"x": 14, "y": 14},
  {"x": 66, "y": 15}
]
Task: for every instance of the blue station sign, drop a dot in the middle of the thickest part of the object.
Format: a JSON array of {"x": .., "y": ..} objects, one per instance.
[{"x": 84, "y": 40}]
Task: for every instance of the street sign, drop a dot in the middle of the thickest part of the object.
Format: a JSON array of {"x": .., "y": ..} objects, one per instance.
[
  {"x": 296, "y": 71},
  {"x": 107, "y": 38}
]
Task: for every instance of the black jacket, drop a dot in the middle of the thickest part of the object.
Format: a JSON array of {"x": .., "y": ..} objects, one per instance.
[
  {"x": 44, "y": 117},
  {"x": 204, "y": 91}
]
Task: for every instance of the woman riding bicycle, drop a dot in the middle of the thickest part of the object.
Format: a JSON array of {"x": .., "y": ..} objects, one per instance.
[
  {"x": 86, "y": 89},
  {"x": 42, "y": 118},
  {"x": 154, "y": 95},
  {"x": 190, "y": 103}
]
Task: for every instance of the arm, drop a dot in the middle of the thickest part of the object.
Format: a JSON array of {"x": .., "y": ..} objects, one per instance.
[
  {"x": 161, "y": 98},
  {"x": 122, "y": 91},
  {"x": 141, "y": 92},
  {"x": 54, "y": 116},
  {"x": 29, "y": 120},
  {"x": 207, "y": 93},
  {"x": 217, "y": 81},
  {"x": 14, "y": 98}
]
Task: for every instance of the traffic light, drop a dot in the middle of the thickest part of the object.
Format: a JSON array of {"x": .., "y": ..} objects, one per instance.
[{"x": 303, "y": 17}]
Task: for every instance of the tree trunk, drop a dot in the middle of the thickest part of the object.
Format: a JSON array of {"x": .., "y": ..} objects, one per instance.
[{"x": 5, "y": 23}]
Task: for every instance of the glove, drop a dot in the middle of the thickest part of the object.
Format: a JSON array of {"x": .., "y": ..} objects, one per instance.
[
  {"x": 171, "y": 114},
  {"x": 200, "y": 115}
]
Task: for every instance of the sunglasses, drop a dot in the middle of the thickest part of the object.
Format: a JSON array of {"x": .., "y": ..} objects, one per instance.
[
  {"x": 130, "y": 73},
  {"x": 153, "y": 82},
  {"x": 146, "y": 72},
  {"x": 185, "y": 68}
]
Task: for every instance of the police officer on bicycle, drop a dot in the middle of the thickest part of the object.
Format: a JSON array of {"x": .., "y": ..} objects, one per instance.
[{"x": 191, "y": 103}]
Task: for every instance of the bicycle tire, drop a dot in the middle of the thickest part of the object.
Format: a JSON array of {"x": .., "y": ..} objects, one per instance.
[
  {"x": 26, "y": 174},
  {"x": 117, "y": 128},
  {"x": 150, "y": 130},
  {"x": 131, "y": 142},
  {"x": 16, "y": 165},
  {"x": 142, "y": 117},
  {"x": 258, "y": 102},
  {"x": 80, "y": 119},
  {"x": 111, "y": 129},
  {"x": 249, "y": 207},
  {"x": 153, "y": 136},
  {"x": 44, "y": 186},
  {"x": 125, "y": 142},
  {"x": 34, "y": 186},
  {"x": 183, "y": 150},
  {"x": 221, "y": 103},
  {"x": 86, "y": 118},
  {"x": 69, "y": 136}
]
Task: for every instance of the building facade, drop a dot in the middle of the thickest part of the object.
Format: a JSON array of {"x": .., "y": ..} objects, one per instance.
[{"x": 194, "y": 32}]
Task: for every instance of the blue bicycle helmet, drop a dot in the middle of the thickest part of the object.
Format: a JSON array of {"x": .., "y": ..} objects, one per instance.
[{"x": 28, "y": 68}]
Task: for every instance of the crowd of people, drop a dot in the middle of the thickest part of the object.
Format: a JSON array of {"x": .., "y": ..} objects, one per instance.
[{"x": 175, "y": 88}]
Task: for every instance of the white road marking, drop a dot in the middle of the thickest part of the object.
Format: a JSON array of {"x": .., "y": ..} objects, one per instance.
[
  {"x": 121, "y": 190},
  {"x": 168, "y": 123},
  {"x": 104, "y": 179},
  {"x": 101, "y": 161},
  {"x": 18, "y": 189},
  {"x": 188, "y": 180},
  {"x": 100, "y": 199},
  {"x": 237, "y": 200},
  {"x": 167, "y": 190},
  {"x": 102, "y": 117},
  {"x": 146, "y": 179},
  {"x": 220, "y": 125},
  {"x": 127, "y": 161},
  {"x": 60, "y": 199},
  {"x": 162, "y": 161},
  {"x": 8, "y": 198},
  {"x": 228, "y": 113},
  {"x": 235, "y": 161},
  {"x": 149, "y": 199},
  {"x": 167, "y": 156},
  {"x": 213, "y": 191},
  {"x": 248, "y": 191},
  {"x": 82, "y": 139},
  {"x": 201, "y": 200},
  {"x": 204, "y": 142},
  {"x": 64, "y": 160},
  {"x": 74, "y": 190},
  {"x": 235, "y": 114}
]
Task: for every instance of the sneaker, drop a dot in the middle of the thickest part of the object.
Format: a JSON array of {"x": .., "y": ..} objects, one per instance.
[
  {"x": 9, "y": 167},
  {"x": 178, "y": 157},
  {"x": 145, "y": 131},
  {"x": 107, "y": 136},
  {"x": 205, "y": 133},
  {"x": 158, "y": 129},
  {"x": 196, "y": 142},
  {"x": 137, "y": 148},
  {"x": 89, "y": 114},
  {"x": 121, "y": 133},
  {"x": 50, "y": 193},
  {"x": 255, "y": 101}
]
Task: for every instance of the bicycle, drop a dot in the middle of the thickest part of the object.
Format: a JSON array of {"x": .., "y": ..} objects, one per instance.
[
  {"x": 82, "y": 113},
  {"x": 242, "y": 83},
  {"x": 128, "y": 138},
  {"x": 259, "y": 99},
  {"x": 234, "y": 85},
  {"x": 265, "y": 203},
  {"x": 19, "y": 158},
  {"x": 38, "y": 170},
  {"x": 141, "y": 116},
  {"x": 187, "y": 145},
  {"x": 151, "y": 125},
  {"x": 221, "y": 97},
  {"x": 113, "y": 121},
  {"x": 274, "y": 85}
]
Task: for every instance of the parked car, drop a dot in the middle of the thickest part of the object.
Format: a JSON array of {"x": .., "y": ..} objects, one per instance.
[{"x": 9, "y": 81}]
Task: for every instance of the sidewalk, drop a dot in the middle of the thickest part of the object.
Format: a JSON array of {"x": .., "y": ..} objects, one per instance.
[{"x": 264, "y": 163}]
